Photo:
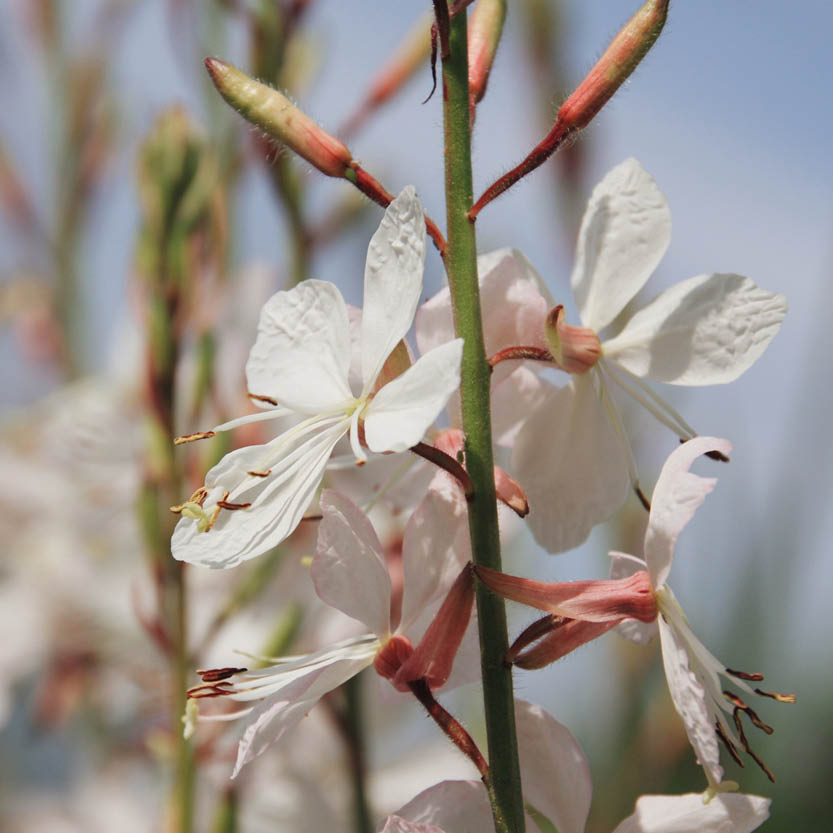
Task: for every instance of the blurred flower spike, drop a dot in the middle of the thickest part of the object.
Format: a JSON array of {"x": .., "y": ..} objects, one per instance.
[
  {"x": 301, "y": 359},
  {"x": 349, "y": 574},
  {"x": 275, "y": 114},
  {"x": 692, "y": 672}
]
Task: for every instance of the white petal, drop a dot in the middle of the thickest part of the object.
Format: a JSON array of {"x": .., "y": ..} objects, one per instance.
[
  {"x": 348, "y": 570},
  {"x": 690, "y": 702},
  {"x": 623, "y": 565},
  {"x": 571, "y": 465},
  {"x": 403, "y": 410},
  {"x": 296, "y": 461},
  {"x": 554, "y": 771},
  {"x": 676, "y": 497},
  {"x": 624, "y": 233},
  {"x": 301, "y": 356},
  {"x": 276, "y": 715},
  {"x": 434, "y": 549},
  {"x": 703, "y": 331},
  {"x": 725, "y": 813},
  {"x": 451, "y": 806},
  {"x": 392, "y": 281},
  {"x": 396, "y": 824}
]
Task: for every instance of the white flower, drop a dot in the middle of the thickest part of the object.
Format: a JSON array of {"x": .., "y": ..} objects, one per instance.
[
  {"x": 692, "y": 672},
  {"x": 557, "y": 786},
  {"x": 256, "y": 496},
  {"x": 349, "y": 574},
  {"x": 571, "y": 454}
]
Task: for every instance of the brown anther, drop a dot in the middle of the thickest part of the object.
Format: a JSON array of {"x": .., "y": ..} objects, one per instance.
[
  {"x": 721, "y": 734},
  {"x": 264, "y": 473},
  {"x": 741, "y": 734},
  {"x": 199, "y": 692},
  {"x": 215, "y": 675},
  {"x": 318, "y": 517},
  {"x": 260, "y": 398},
  {"x": 190, "y": 438},
  {"x": 646, "y": 504},
  {"x": 738, "y": 703},
  {"x": 774, "y": 695},
  {"x": 745, "y": 675},
  {"x": 198, "y": 497},
  {"x": 224, "y": 504}
]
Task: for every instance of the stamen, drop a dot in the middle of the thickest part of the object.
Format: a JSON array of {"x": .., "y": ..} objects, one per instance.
[
  {"x": 745, "y": 675},
  {"x": 781, "y": 698},
  {"x": 738, "y": 703},
  {"x": 216, "y": 675},
  {"x": 209, "y": 690},
  {"x": 616, "y": 421},
  {"x": 190, "y": 438},
  {"x": 260, "y": 398},
  {"x": 265, "y": 473},
  {"x": 642, "y": 499},
  {"x": 224, "y": 504},
  {"x": 721, "y": 734},
  {"x": 739, "y": 726},
  {"x": 197, "y": 498}
]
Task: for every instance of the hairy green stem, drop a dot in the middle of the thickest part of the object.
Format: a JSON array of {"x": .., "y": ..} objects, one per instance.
[{"x": 461, "y": 265}]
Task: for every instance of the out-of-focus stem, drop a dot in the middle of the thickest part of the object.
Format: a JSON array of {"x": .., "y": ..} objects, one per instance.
[
  {"x": 461, "y": 265},
  {"x": 354, "y": 726}
]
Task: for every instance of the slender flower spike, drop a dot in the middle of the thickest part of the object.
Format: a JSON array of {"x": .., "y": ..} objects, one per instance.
[
  {"x": 349, "y": 574},
  {"x": 557, "y": 793},
  {"x": 572, "y": 455},
  {"x": 256, "y": 496}
]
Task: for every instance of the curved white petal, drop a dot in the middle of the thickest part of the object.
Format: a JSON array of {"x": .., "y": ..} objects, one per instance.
[
  {"x": 703, "y": 331},
  {"x": 295, "y": 461},
  {"x": 555, "y": 773},
  {"x": 402, "y": 411},
  {"x": 301, "y": 356},
  {"x": 725, "y": 813},
  {"x": 348, "y": 570},
  {"x": 392, "y": 282},
  {"x": 571, "y": 465},
  {"x": 434, "y": 549},
  {"x": 519, "y": 394},
  {"x": 623, "y": 565},
  {"x": 276, "y": 715},
  {"x": 689, "y": 699},
  {"x": 396, "y": 824},
  {"x": 676, "y": 497},
  {"x": 451, "y": 807},
  {"x": 624, "y": 233}
]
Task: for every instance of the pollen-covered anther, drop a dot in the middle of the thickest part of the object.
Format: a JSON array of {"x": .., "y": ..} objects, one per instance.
[
  {"x": 255, "y": 473},
  {"x": 225, "y": 504},
  {"x": 392, "y": 655},
  {"x": 574, "y": 349},
  {"x": 260, "y": 398},
  {"x": 196, "y": 500},
  {"x": 190, "y": 438}
]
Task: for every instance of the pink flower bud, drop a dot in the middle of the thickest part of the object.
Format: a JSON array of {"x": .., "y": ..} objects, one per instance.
[
  {"x": 274, "y": 113},
  {"x": 574, "y": 349},
  {"x": 392, "y": 655},
  {"x": 620, "y": 59},
  {"x": 485, "y": 28}
]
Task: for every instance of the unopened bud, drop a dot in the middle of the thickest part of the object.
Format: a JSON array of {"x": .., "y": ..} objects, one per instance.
[
  {"x": 274, "y": 113},
  {"x": 574, "y": 349},
  {"x": 485, "y": 28},
  {"x": 620, "y": 59},
  {"x": 392, "y": 655}
]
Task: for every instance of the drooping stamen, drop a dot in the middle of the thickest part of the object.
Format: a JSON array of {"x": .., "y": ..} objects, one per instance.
[
  {"x": 260, "y": 398},
  {"x": 749, "y": 751},
  {"x": 190, "y": 438},
  {"x": 738, "y": 703},
  {"x": 732, "y": 749},
  {"x": 651, "y": 401},
  {"x": 745, "y": 675},
  {"x": 774, "y": 695},
  {"x": 216, "y": 675}
]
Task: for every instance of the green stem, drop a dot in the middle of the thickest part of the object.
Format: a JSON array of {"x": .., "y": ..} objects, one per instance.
[
  {"x": 461, "y": 265},
  {"x": 354, "y": 736}
]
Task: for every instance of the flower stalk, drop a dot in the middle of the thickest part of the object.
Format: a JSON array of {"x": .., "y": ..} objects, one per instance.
[{"x": 461, "y": 265}]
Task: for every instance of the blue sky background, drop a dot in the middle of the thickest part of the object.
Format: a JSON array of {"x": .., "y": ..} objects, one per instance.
[{"x": 730, "y": 112}]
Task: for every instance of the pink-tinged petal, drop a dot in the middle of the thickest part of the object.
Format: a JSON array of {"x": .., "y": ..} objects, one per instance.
[
  {"x": 403, "y": 410},
  {"x": 554, "y": 771},
  {"x": 725, "y": 813},
  {"x": 451, "y": 807},
  {"x": 623, "y": 565},
  {"x": 513, "y": 299},
  {"x": 392, "y": 282},
  {"x": 295, "y": 462},
  {"x": 605, "y": 600},
  {"x": 571, "y": 465},
  {"x": 518, "y": 395},
  {"x": 676, "y": 497},
  {"x": 565, "y": 637},
  {"x": 703, "y": 331},
  {"x": 301, "y": 356},
  {"x": 689, "y": 700},
  {"x": 396, "y": 824},
  {"x": 276, "y": 715},
  {"x": 348, "y": 569},
  {"x": 433, "y": 658},
  {"x": 509, "y": 492},
  {"x": 624, "y": 233},
  {"x": 435, "y": 546}
]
